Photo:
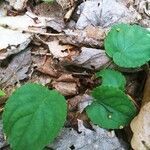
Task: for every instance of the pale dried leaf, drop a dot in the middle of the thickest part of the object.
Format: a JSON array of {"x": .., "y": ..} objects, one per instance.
[
  {"x": 66, "y": 78},
  {"x": 65, "y": 4},
  {"x": 31, "y": 22},
  {"x": 66, "y": 88},
  {"x": 17, "y": 69},
  {"x": 90, "y": 36},
  {"x": 104, "y": 13},
  {"x": 18, "y": 42},
  {"x": 18, "y": 4},
  {"x": 40, "y": 79},
  {"x": 99, "y": 139},
  {"x": 141, "y": 129},
  {"x": 58, "y": 50},
  {"x": 3, "y": 9},
  {"x": 90, "y": 58},
  {"x": 141, "y": 123},
  {"x": 79, "y": 102}
]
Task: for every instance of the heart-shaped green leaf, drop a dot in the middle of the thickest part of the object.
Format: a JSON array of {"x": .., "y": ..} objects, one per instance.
[
  {"x": 33, "y": 117},
  {"x": 128, "y": 45},
  {"x": 112, "y": 78},
  {"x": 112, "y": 109},
  {"x": 2, "y": 93}
]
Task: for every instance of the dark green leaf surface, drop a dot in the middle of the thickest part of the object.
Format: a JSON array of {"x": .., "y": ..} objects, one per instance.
[
  {"x": 128, "y": 45},
  {"x": 33, "y": 117},
  {"x": 112, "y": 109},
  {"x": 112, "y": 78}
]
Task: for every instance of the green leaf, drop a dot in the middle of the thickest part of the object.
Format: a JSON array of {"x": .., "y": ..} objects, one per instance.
[
  {"x": 2, "y": 93},
  {"x": 112, "y": 109},
  {"x": 33, "y": 117},
  {"x": 112, "y": 78},
  {"x": 128, "y": 45},
  {"x": 49, "y": 1}
]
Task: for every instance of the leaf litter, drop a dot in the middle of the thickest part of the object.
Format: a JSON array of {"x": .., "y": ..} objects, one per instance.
[{"x": 61, "y": 45}]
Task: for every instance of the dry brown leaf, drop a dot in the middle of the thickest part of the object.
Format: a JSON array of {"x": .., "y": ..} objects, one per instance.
[
  {"x": 66, "y": 78},
  {"x": 48, "y": 68},
  {"x": 66, "y": 88},
  {"x": 146, "y": 96},
  {"x": 40, "y": 79},
  {"x": 90, "y": 36},
  {"x": 58, "y": 50},
  {"x": 79, "y": 102},
  {"x": 48, "y": 10}
]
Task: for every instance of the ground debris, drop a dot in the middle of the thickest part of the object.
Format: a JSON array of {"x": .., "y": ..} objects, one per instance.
[
  {"x": 87, "y": 139},
  {"x": 89, "y": 58},
  {"x": 140, "y": 125},
  {"x": 18, "y": 42},
  {"x": 18, "y": 4},
  {"x": 17, "y": 69},
  {"x": 104, "y": 13},
  {"x": 90, "y": 36}
]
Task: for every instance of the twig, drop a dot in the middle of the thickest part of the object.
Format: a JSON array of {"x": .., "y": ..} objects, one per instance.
[{"x": 43, "y": 33}]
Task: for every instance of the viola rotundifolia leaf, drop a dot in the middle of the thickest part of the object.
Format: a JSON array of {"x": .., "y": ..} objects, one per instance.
[
  {"x": 33, "y": 117},
  {"x": 112, "y": 78},
  {"x": 112, "y": 108},
  {"x": 128, "y": 45}
]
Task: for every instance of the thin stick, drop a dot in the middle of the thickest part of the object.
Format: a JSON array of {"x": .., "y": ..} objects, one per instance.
[{"x": 42, "y": 33}]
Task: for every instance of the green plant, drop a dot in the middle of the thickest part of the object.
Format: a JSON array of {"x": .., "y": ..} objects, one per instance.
[
  {"x": 111, "y": 108},
  {"x": 33, "y": 117},
  {"x": 49, "y": 1},
  {"x": 2, "y": 93},
  {"x": 128, "y": 45},
  {"x": 112, "y": 78}
]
